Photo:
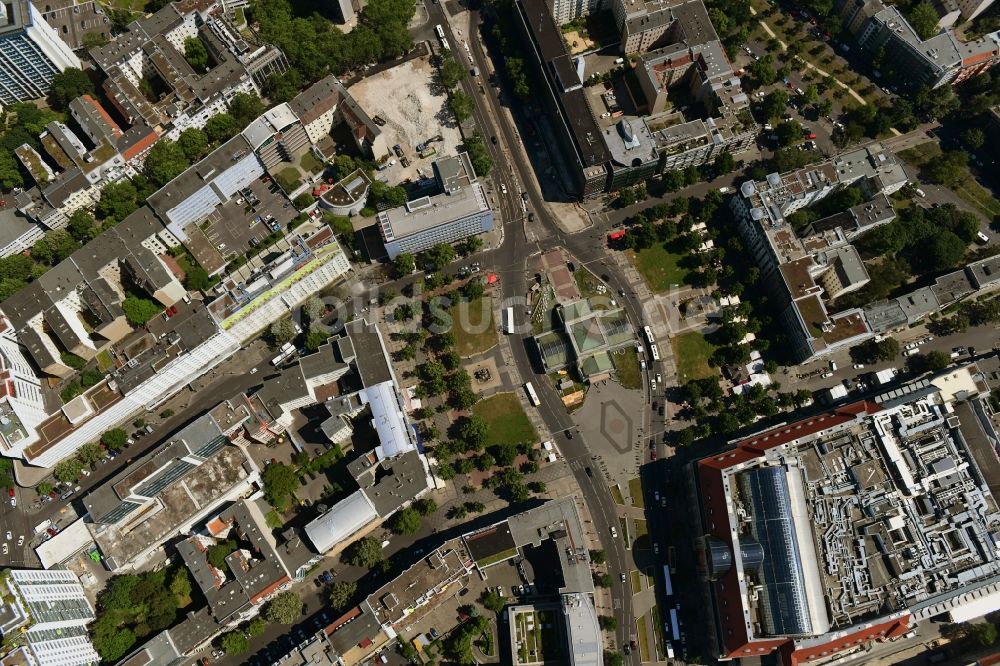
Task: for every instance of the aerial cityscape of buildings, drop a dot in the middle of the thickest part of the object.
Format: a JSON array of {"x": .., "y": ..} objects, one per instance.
[{"x": 571, "y": 332}]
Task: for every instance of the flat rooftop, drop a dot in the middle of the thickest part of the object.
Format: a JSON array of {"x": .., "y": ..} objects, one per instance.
[
  {"x": 181, "y": 503},
  {"x": 426, "y": 213},
  {"x": 852, "y": 516}
]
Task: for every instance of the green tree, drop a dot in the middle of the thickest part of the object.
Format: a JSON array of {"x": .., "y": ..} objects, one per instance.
[
  {"x": 602, "y": 580},
  {"x": 924, "y": 19},
  {"x": 365, "y": 552},
  {"x": 598, "y": 556},
  {"x": 66, "y": 86},
  {"x": 82, "y": 226},
  {"x": 90, "y": 453},
  {"x": 788, "y": 132},
  {"x": 342, "y": 593},
  {"x": 492, "y": 601},
  {"x": 115, "y": 439},
  {"x": 68, "y": 470},
  {"x": 406, "y": 521},
  {"x": 932, "y": 361},
  {"x": 608, "y": 623},
  {"x": 180, "y": 585},
  {"x": 193, "y": 142},
  {"x": 614, "y": 659},
  {"x": 256, "y": 627},
  {"x": 245, "y": 107},
  {"x": 196, "y": 54},
  {"x": 44, "y": 488},
  {"x": 282, "y": 331},
  {"x": 197, "y": 279},
  {"x": 139, "y": 310},
  {"x": 461, "y": 105},
  {"x": 426, "y": 506},
  {"x": 114, "y": 645},
  {"x": 945, "y": 250},
  {"x": 452, "y": 73},
  {"x": 984, "y": 633},
  {"x": 439, "y": 256},
  {"x": 404, "y": 264},
  {"x": 118, "y": 200},
  {"x": 280, "y": 484},
  {"x": 284, "y": 608},
  {"x": 221, "y": 127},
  {"x": 235, "y": 642},
  {"x": 165, "y": 162},
  {"x": 974, "y": 137},
  {"x": 315, "y": 339},
  {"x": 482, "y": 163},
  {"x": 218, "y": 552}
]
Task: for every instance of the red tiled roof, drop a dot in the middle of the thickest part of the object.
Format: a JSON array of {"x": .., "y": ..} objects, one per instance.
[{"x": 146, "y": 142}]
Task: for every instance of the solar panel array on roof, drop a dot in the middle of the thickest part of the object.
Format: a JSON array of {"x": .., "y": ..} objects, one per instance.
[
  {"x": 212, "y": 446},
  {"x": 119, "y": 512},
  {"x": 158, "y": 484},
  {"x": 784, "y": 611},
  {"x": 552, "y": 347}
]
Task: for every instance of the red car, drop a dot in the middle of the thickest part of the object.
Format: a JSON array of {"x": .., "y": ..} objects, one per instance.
[
  {"x": 652, "y": 455},
  {"x": 811, "y": 135},
  {"x": 10, "y": 491}
]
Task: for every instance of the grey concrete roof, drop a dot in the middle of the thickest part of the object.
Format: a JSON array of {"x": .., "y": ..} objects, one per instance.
[
  {"x": 197, "y": 176},
  {"x": 403, "y": 479},
  {"x": 371, "y": 360}
]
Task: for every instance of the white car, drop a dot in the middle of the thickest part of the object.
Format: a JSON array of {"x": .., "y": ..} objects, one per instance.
[
  {"x": 622, "y": 578},
  {"x": 912, "y": 345},
  {"x": 911, "y": 352},
  {"x": 656, "y": 548},
  {"x": 652, "y": 385},
  {"x": 13, "y": 502},
  {"x": 20, "y": 540},
  {"x": 859, "y": 366},
  {"x": 659, "y": 379},
  {"x": 614, "y": 532},
  {"x": 503, "y": 188},
  {"x": 5, "y": 549},
  {"x": 826, "y": 375},
  {"x": 253, "y": 371},
  {"x": 9, "y": 535}
]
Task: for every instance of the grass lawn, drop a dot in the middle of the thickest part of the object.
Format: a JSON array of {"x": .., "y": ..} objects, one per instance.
[
  {"x": 692, "y": 351},
  {"x": 616, "y": 495},
  {"x": 589, "y": 287},
  {"x": 474, "y": 328},
  {"x": 288, "y": 178},
  {"x": 661, "y": 645},
  {"x": 506, "y": 418},
  {"x": 636, "y": 581},
  {"x": 627, "y": 368},
  {"x": 309, "y": 162},
  {"x": 970, "y": 191},
  {"x": 635, "y": 490},
  {"x": 641, "y": 529},
  {"x": 133, "y": 5},
  {"x": 625, "y": 532},
  {"x": 499, "y": 557},
  {"x": 640, "y": 629},
  {"x": 658, "y": 267},
  {"x": 104, "y": 361}
]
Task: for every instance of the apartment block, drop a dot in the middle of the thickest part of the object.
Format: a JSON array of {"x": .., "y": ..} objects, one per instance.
[
  {"x": 47, "y": 612},
  {"x": 674, "y": 45},
  {"x": 459, "y": 210},
  {"x": 805, "y": 273},
  {"x": 31, "y": 53},
  {"x": 934, "y": 62}
]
